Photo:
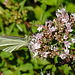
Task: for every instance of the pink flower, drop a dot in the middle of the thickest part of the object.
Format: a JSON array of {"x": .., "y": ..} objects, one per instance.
[
  {"x": 57, "y": 14},
  {"x": 51, "y": 47},
  {"x": 68, "y": 25},
  {"x": 4, "y": 3},
  {"x": 48, "y": 23},
  {"x": 43, "y": 44},
  {"x": 53, "y": 28},
  {"x": 67, "y": 44},
  {"x": 64, "y": 20},
  {"x": 61, "y": 11},
  {"x": 6, "y": 0},
  {"x": 69, "y": 29},
  {"x": 39, "y": 28},
  {"x": 73, "y": 14},
  {"x": 45, "y": 54},
  {"x": 55, "y": 48},
  {"x": 65, "y": 36},
  {"x": 62, "y": 56},
  {"x": 50, "y": 30},
  {"x": 34, "y": 44},
  {"x": 73, "y": 40},
  {"x": 66, "y": 51},
  {"x": 39, "y": 35},
  {"x": 49, "y": 26}
]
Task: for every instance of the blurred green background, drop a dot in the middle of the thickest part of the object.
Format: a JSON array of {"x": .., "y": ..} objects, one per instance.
[{"x": 19, "y": 17}]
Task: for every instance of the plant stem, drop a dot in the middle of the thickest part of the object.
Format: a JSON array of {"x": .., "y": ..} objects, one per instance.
[
  {"x": 61, "y": 71},
  {"x": 7, "y": 64},
  {"x": 19, "y": 57}
]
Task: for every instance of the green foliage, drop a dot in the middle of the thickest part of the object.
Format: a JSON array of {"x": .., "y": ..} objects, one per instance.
[
  {"x": 66, "y": 69},
  {"x": 70, "y": 7},
  {"x": 34, "y": 29},
  {"x": 49, "y": 2},
  {"x": 5, "y": 54},
  {"x": 19, "y": 17}
]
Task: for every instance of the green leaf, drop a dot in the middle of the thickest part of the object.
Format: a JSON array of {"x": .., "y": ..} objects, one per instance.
[
  {"x": 1, "y": 63},
  {"x": 23, "y": 26},
  {"x": 11, "y": 58},
  {"x": 56, "y": 59},
  {"x": 42, "y": 62},
  {"x": 9, "y": 30},
  {"x": 38, "y": 11},
  {"x": 53, "y": 68},
  {"x": 1, "y": 26},
  {"x": 22, "y": 5},
  {"x": 15, "y": 32},
  {"x": 43, "y": 6},
  {"x": 27, "y": 74},
  {"x": 29, "y": 8},
  {"x": 2, "y": 1},
  {"x": 19, "y": 61},
  {"x": 65, "y": 68},
  {"x": 8, "y": 14},
  {"x": 48, "y": 67},
  {"x": 35, "y": 63},
  {"x": 19, "y": 27},
  {"x": 26, "y": 67},
  {"x": 34, "y": 29},
  {"x": 45, "y": 16},
  {"x": 49, "y": 2},
  {"x": 17, "y": 73},
  {"x": 70, "y": 7},
  {"x": 5, "y": 54},
  {"x": 7, "y": 72}
]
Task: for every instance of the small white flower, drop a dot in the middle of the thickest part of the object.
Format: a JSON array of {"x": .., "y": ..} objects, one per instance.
[
  {"x": 45, "y": 54},
  {"x": 55, "y": 48},
  {"x": 64, "y": 20},
  {"x": 53, "y": 28},
  {"x": 39, "y": 28},
  {"x": 36, "y": 45},
  {"x": 65, "y": 37},
  {"x": 73, "y": 14},
  {"x": 68, "y": 25},
  {"x": 48, "y": 74},
  {"x": 63, "y": 56},
  {"x": 67, "y": 44},
  {"x": 35, "y": 54},
  {"x": 42, "y": 72},
  {"x": 66, "y": 51},
  {"x": 70, "y": 30},
  {"x": 39, "y": 36},
  {"x": 51, "y": 47},
  {"x": 60, "y": 11},
  {"x": 73, "y": 40}
]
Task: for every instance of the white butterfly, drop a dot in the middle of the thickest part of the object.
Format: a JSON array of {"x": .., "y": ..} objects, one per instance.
[{"x": 11, "y": 43}]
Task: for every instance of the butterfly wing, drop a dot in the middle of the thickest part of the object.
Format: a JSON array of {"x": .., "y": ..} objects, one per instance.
[{"x": 9, "y": 43}]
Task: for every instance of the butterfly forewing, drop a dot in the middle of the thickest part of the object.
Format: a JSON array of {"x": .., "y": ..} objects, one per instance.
[{"x": 11, "y": 43}]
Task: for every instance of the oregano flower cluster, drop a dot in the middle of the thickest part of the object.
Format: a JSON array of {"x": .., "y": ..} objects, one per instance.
[{"x": 55, "y": 38}]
